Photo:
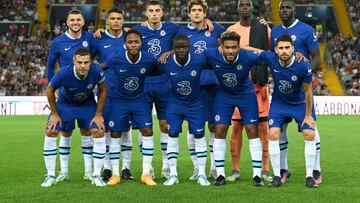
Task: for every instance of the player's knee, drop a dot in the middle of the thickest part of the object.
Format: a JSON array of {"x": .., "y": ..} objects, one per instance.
[
  {"x": 198, "y": 136},
  {"x": 211, "y": 127},
  {"x": 251, "y": 131},
  {"x": 309, "y": 135},
  {"x": 52, "y": 134},
  {"x": 146, "y": 131},
  {"x": 164, "y": 127},
  {"x": 96, "y": 133},
  {"x": 220, "y": 131},
  {"x": 274, "y": 134},
  {"x": 173, "y": 135},
  {"x": 85, "y": 132},
  {"x": 115, "y": 134},
  {"x": 66, "y": 133}
]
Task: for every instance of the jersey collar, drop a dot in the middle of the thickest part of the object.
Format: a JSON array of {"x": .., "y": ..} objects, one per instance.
[
  {"x": 77, "y": 77},
  {"x": 237, "y": 57},
  {"x": 177, "y": 63},
  {"x": 292, "y": 25},
  {"x": 193, "y": 28},
  {"x": 127, "y": 58},
  {"x": 113, "y": 36},
  {"x": 290, "y": 64},
  {"x": 150, "y": 28},
  {"x": 71, "y": 37}
]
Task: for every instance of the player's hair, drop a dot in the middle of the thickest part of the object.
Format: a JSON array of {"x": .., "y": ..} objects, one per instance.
[
  {"x": 252, "y": 5},
  {"x": 202, "y": 3},
  {"x": 292, "y": 2},
  {"x": 233, "y": 36},
  {"x": 74, "y": 11},
  {"x": 180, "y": 37},
  {"x": 132, "y": 31},
  {"x": 116, "y": 10},
  {"x": 284, "y": 38},
  {"x": 82, "y": 52},
  {"x": 154, "y": 3}
]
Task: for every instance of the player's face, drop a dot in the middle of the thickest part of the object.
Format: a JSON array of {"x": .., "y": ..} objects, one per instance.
[
  {"x": 115, "y": 21},
  {"x": 75, "y": 22},
  {"x": 82, "y": 64},
  {"x": 245, "y": 8},
  {"x": 133, "y": 43},
  {"x": 286, "y": 10},
  {"x": 181, "y": 48},
  {"x": 197, "y": 14},
  {"x": 154, "y": 13},
  {"x": 284, "y": 50},
  {"x": 230, "y": 49}
]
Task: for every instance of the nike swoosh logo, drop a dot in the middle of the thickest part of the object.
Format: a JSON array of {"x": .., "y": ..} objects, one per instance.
[
  {"x": 190, "y": 36},
  {"x": 171, "y": 73},
  {"x": 67, "y": 48},
  {"x": 276, "y": 71},
  {"x": 72, "y": 89},
  {"x": 199, "y": 130},
  {"x": 147, "y": 123},
  {"x": 121, "y": 70},
  {"x": 217, "y": 66},
  {"x": 107, "y": 46},
  {"x": 252, "y": 120}
]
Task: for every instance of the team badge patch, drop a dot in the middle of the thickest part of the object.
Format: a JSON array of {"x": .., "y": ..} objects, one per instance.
[
  {"x": 193, "y": 73},
  {"x": 89, "y": 86},
  {"x": 162, "y": 33},
  {"x": 239, "y": 67},
  {"x": 142, "y": 71},
  {"x": 294, "y": 78},
  {"x": 217, "y": 117},
  {"x": 293, "y": 37},
  {"x": 85, "y": 44},
  {"x": 111, "y": 124},
  {"x": 207, "y": 34},
  {"x": 271, "y": 121}
]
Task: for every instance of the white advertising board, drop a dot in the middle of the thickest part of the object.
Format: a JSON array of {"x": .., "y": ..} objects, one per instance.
[{"x": 37, "y": 105}]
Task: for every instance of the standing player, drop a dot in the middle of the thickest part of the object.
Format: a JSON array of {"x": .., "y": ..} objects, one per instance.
[
  {"x": 130, "y": 67},
  {"x": 235, "y": 90},
  {"x": 185, "y": 103},
  {"x": 201, "y": 38},
  {"x": 62, "y": 51},
  {"x": 255, "y": 34},
  {"x": 111, "y": 41},
  {"x": 157, "y": 39},
  {"x": 76, "y": 102},
  {"x": 292, "y": 99},
  {"x": 305, "y": 42}
]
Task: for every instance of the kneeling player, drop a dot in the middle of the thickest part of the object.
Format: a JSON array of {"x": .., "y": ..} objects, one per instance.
[
  {"x": 185, "y": 103},
  {"x": 76, "y": 102}
]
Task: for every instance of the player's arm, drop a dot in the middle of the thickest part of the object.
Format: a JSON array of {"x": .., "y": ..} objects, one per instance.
[
  {"x": 98, "y": 119},
  {"x": 315, "y": 58},
  {"x": 54, "y": 118},
  {"x": 308, "y": 101},
  {"x": 250, "y": 48},
  {"x": 52, "y": 59}
]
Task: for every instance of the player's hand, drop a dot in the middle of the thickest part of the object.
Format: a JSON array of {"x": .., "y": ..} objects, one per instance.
[
  {"x": 56, "y": 94},
  {"x": 126, "y": 29},
  {"x": 209, "y": 24},
  {"x": 299, "y": 56},
  {"x": 263, "y": 93},
  {"x": 164, "y": 57},
  {"x": 220, "y": 50},
  {"x": 99, "y": 121},
  {"x": 144, "y": 23},
  {"x": 53, "y": 121},
  {"x": 98, "y": 33},
  {"x": 262, "y": 21},
  {"x": 310, "y": 121}
]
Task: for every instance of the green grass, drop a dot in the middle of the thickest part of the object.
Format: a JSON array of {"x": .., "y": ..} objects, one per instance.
[{"x": 22, "y": 169}]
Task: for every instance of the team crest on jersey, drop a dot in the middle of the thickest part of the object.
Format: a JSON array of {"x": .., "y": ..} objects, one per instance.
[
  {"x": 294, "y": 78},
  {"x": 111, "y": 124},
  {"x": 217, "y": 117},
  {"x": 271, "y": 121},
  {"x": 193, "y": 73},
  {"x": 142, "y": 71},
  {"x": 293, "y": 37},
  {"x": 162, "y": 33},
  {"x": 239, "y": 67},
  {"x": 85, "y": 44},
  {"x": 207, "y": 34},
  {"x": 89, "y": 86}
]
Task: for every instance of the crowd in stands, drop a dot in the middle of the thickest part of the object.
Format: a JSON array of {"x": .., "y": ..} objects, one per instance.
[
  {"x": 18, "y": 10},
  {"x": 313, "y": 1},
  {"x": 71, "y": 2},
  {"x": 353, "y": 7},
  {"x": 219, "y": 10}
]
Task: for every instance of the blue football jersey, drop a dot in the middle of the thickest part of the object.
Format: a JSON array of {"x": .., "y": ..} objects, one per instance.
[
  {"x": 200, "y": 40},
  {"x": 129, "y": 77},
  {"x": 102, "y": 48},
  {"x": 74, "y": 90},
  {"x": 303, "y": 36},
  {"x": 288, "y": 81},
  {"x": 62, "y": 50},
  {"x": 233, "y": 77},
  {"x": 185, "y": 79}
]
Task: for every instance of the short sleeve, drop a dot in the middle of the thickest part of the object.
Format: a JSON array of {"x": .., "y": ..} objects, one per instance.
[
  {"x": 312, "y": 41},
  {"x": 57, "y": 80},
  {"x": 307, "y": 73}
]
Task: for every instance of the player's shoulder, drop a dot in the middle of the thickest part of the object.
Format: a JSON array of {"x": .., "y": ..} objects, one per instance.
[
  {"x": 147, "y": 56},
  {"x": 233, "y": 27},
  {"x": 169, "y": 24},
  {"x": 96, "y": 68},
  {"x": 304, "y": 26}
]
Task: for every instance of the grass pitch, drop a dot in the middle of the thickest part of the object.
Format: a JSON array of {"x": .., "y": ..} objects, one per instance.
[{"x": 22, "y": 169}]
